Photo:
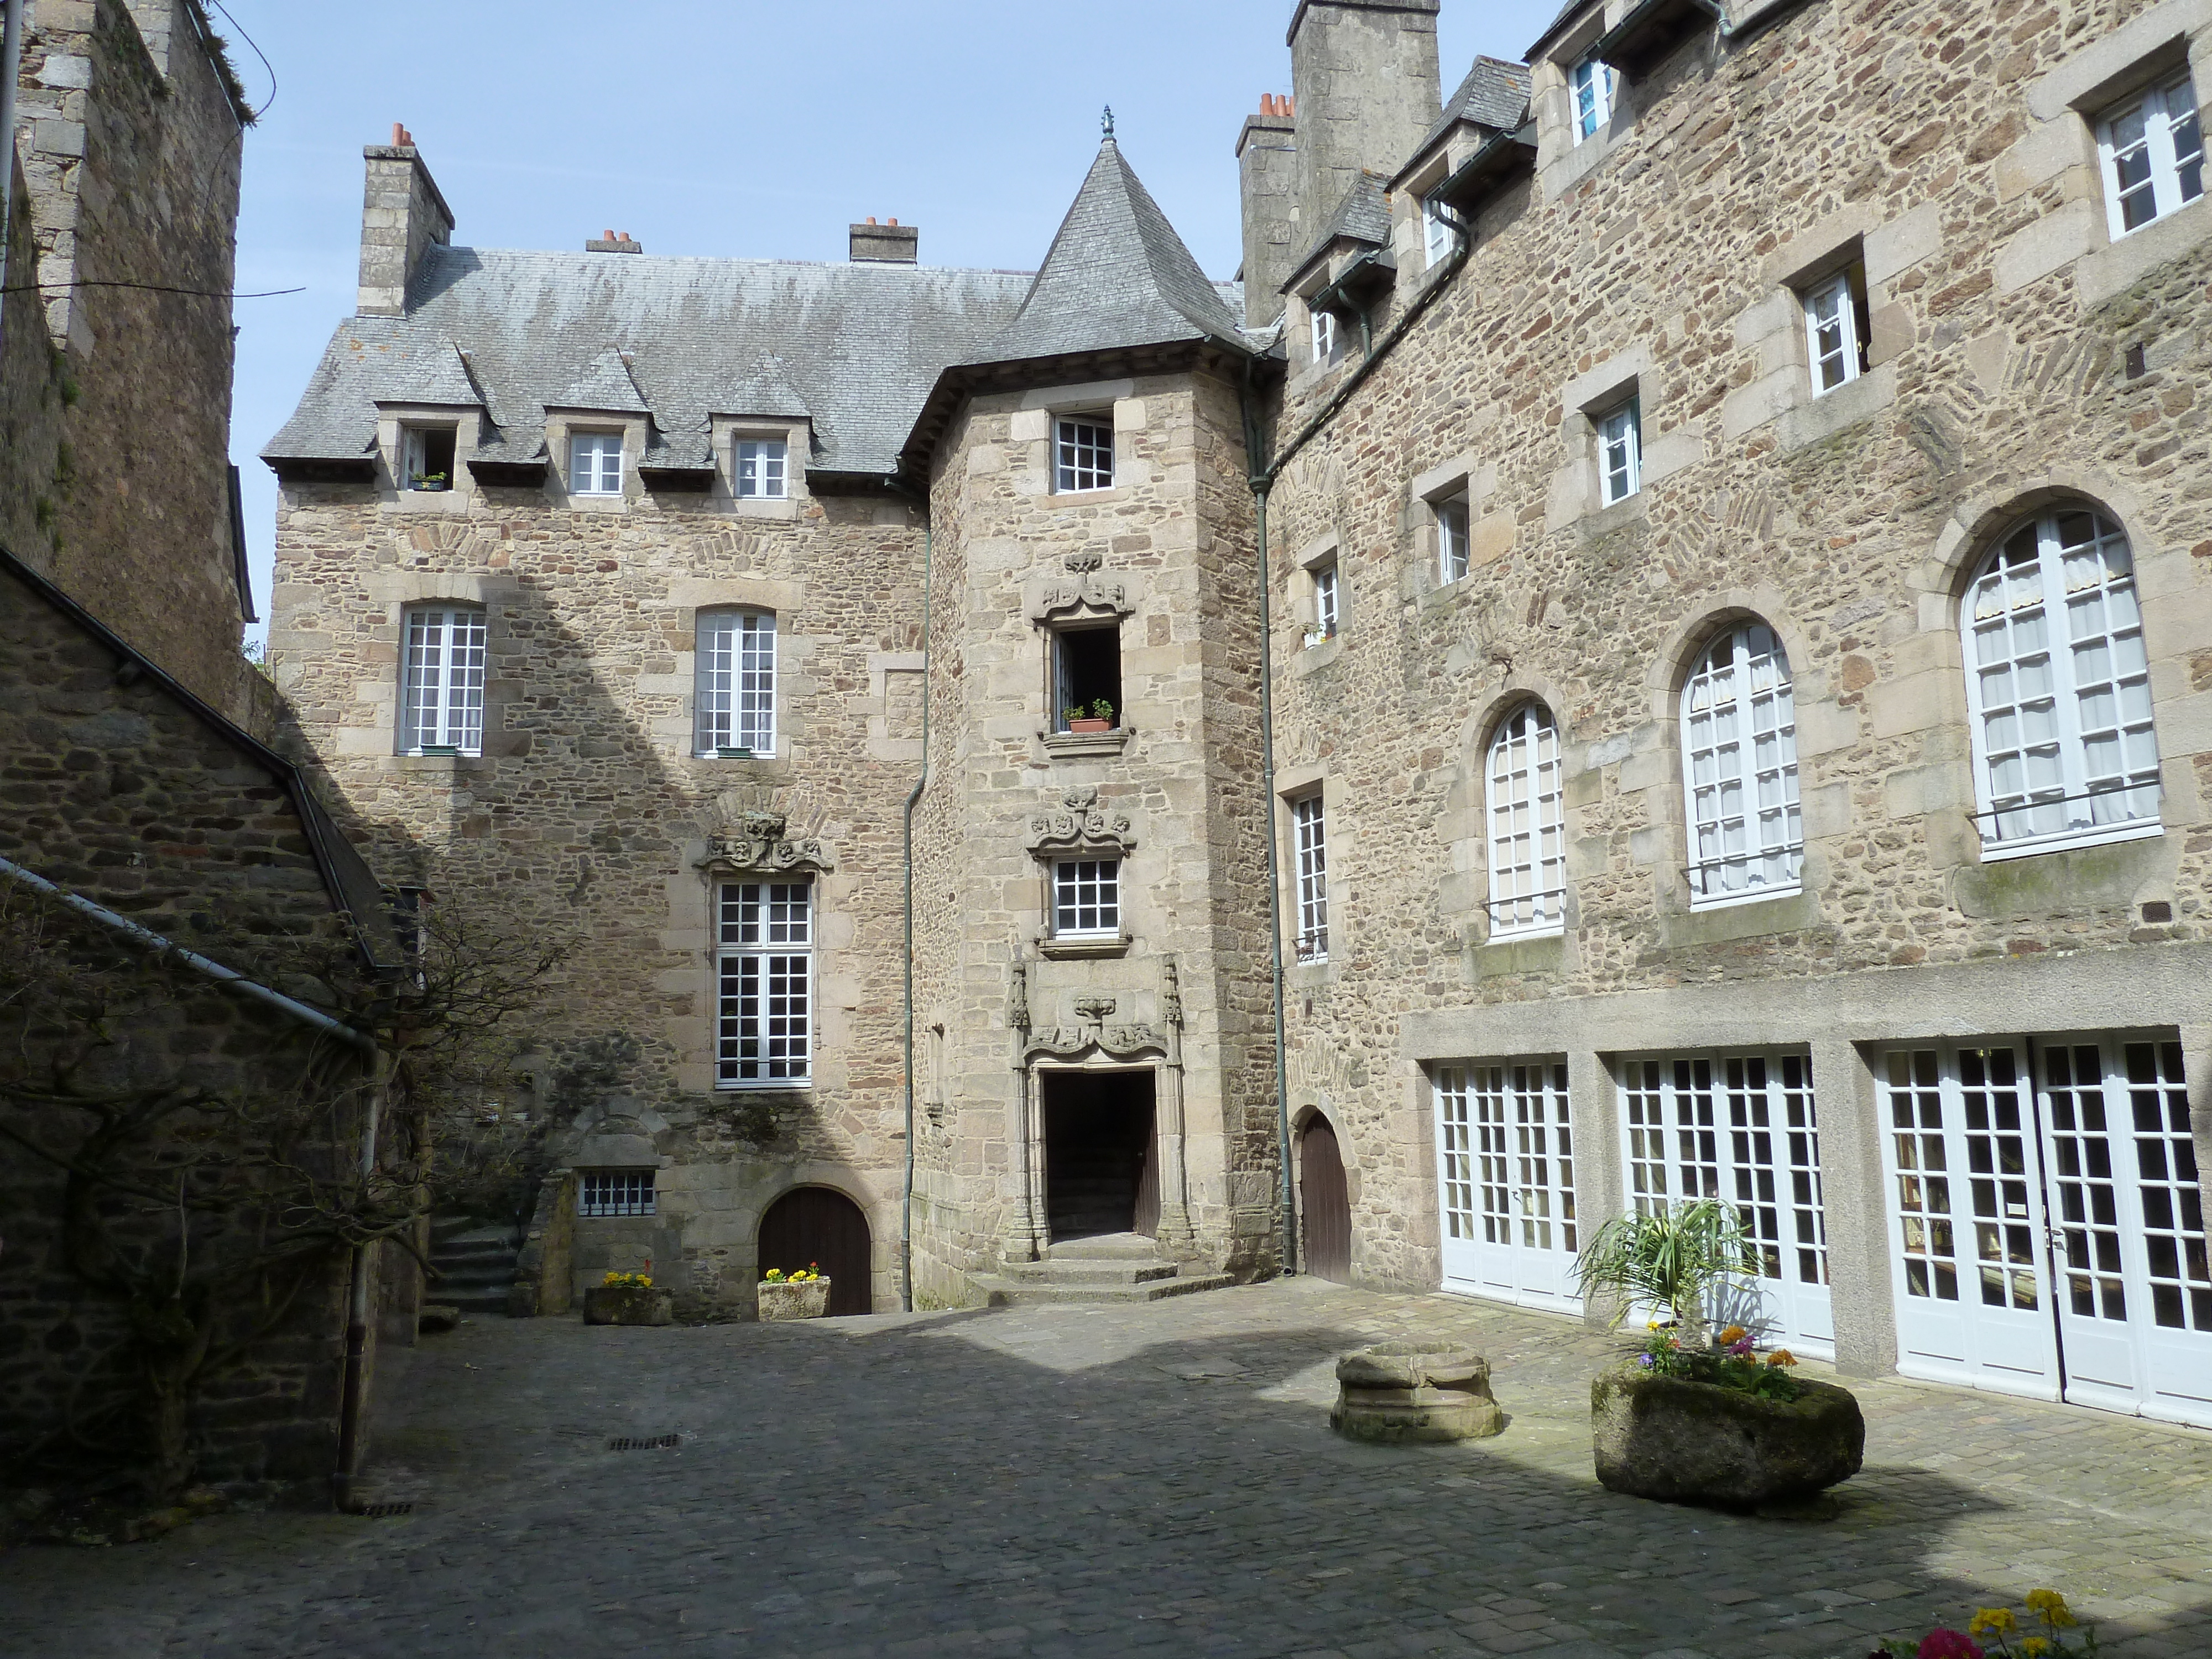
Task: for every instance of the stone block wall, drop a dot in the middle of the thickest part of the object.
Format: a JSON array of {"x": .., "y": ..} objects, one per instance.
[{"x": 31, "y": 380}]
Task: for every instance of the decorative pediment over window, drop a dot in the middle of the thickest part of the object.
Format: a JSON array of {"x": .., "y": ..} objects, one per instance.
[
  {"x": 756, "y": 841},
  {"x": 1096, "y": 1031},
  {"x": 1082, "y": 586},
  {"x": 1080, "y": 826}
]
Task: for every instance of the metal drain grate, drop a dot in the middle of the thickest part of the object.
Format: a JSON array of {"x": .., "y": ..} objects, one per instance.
[
  {"x": 655, "y": 1443},
  {"x": 382, "y": 1511}
]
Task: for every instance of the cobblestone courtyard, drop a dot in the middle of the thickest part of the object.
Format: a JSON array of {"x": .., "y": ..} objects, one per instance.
[{"x": 1105, "y": 1481}]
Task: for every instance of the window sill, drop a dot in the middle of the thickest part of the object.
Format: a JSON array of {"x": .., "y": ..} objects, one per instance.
[
  {"x": 2122, "y": 262},
  {"x": 781, "y": 1086},
  {"x": 428, "y": 501},
  {"x": 1513, "y": 955},
  {"x": 764, "y": 506},
  {"x": 1823, "y": 415},
  {"x": 436, "y": 763},
  {"x": 1310, "y": 658},
  {"x": 2103, "y": 836},
  {"x": 1085, "y": 745},
  {"x": 1104, "y": 497},
  {"x": 1083, "y": 947},
  {"x": 594, "y": 503},
  {"x": 1699, "y": 907}
]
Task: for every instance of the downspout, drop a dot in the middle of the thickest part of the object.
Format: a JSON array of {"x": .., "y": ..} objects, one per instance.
[
  {"x": 11, "y": 65},
  {"x": 913, "y": 800},
  {"x": 353, "y": 1388}
]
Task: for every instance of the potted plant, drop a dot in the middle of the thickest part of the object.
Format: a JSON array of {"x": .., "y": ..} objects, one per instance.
[
  {"x": 803, "y": 1294},
  {"x": 433, "y": 482},
  {"x": 1694, "y": 1419},
  {"x": 628, "y": 1299},
  {"x": 1100, "y": 719},
  {"x": 2041, "y": 1634}
]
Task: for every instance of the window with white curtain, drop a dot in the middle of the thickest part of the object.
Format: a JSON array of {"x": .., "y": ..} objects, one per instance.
[
  {"x": 1740, "y": 762},
  {"x": 1310, "y": 844},
  {"x": 765, "y": 1033},
  {"x": 1620, "y": 452},
  {"x": 2153, "y": 151},
  {"x": 735, "y": 693},
  {"x": 2058, "y": 688},
  {"x": 595, "y": 463},
  {"x": 1595, "y": 89},
  {"x": 1836, "y": 329},
  {"x": 1527, "y": 825},
  {"x": 441, "y": 709},
  {"x": 762, "y": 469}
]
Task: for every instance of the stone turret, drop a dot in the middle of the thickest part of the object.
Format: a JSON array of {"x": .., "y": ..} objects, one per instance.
[
  {"x": 1267, "y": 175},
  {"x": 402, "y": 216},
  {"x": 1365, "y": 86}
]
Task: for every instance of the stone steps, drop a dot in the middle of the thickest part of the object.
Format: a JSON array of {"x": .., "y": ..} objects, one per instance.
[
  {"x": 472, "y": 1267},
  {"x": 1109, "y": 1267}
]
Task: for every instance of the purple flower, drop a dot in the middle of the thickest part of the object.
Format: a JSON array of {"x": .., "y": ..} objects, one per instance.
[{"x": 1645, "y": 1360}]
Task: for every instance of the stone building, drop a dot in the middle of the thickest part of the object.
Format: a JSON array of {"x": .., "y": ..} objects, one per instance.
[{"x": 1677, "y": 457}]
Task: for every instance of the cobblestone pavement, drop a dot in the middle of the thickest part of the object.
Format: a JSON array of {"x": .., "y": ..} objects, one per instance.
[{"x": 1110, "y": 1481}]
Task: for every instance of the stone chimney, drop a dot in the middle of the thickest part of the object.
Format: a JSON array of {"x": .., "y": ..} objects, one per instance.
[
  {"x": 1267, "y": 170},
  {"x": 402, "y": 214},
  {"x": 607, "y": 242},
  {"x": 893, "y": 244},
  {"x": 1364, "y": 74}
]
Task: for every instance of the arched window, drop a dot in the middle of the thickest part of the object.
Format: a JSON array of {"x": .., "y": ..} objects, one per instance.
[
  {"x": 2064, "y": 748},
  {"x": 1739, "y": 762},
  {"x": 1527, "y": 825}
]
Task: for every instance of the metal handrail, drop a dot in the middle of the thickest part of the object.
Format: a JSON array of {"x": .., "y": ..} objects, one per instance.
[{"x": 1975, "y": 818}]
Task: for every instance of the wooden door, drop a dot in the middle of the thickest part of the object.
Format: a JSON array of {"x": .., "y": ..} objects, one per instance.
[
  {"x": 815, "y": 1227},
  {"x": 1326, "y": 1203}
]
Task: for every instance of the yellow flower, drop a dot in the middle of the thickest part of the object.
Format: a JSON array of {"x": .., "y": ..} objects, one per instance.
[
  {"x": 1782, "y": 1356},
  {"x": 1651, "y": 1324},
  {"x": 1733, "y": 1334},
  {"x": 1989, "y": 1622},
  {"x": 2052, "y": 1606},
  {"x": 2034, "y": 1647}
]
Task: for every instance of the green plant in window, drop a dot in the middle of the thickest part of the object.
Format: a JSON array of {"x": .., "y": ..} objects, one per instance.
[{"x": 1102, "y": 710}]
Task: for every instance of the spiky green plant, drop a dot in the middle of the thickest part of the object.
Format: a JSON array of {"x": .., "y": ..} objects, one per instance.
[{"x": 1669, "y": 1260}]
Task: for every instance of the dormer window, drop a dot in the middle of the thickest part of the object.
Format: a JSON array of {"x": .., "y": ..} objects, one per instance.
[
  {"x": 762, "y": 469},
  {"x": 427, "y": 458},
  {"x": 1083, "y": 453},
  {"x": 595, "y": 463},
  {"x": 1327, "y": 338},
  {"x": 1596, "y": 88},
  {"x": 1439, "y": 235}
]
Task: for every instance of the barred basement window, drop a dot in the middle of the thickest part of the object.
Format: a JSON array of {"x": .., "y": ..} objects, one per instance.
[
  {"x": 595, "y": 463},
  {"x": 766, "y": 964},
  {"x": 1086, "y": 898},
  {"x": 1083, "y": 450},
  {"x": 615, "y": 1192},
  {"x": 442, "y": 681},
  {"x": 736, "y": 684},
  {"x": 1739, "y": 762},
  {"x": 763, "y": 467},
  {"x": 1309, "y": 835},
  {"x": 2153, "y": 151}
]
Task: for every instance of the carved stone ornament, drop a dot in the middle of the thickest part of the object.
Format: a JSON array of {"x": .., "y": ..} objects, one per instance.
[
  {"x": 757, "y": 842},
  {"x": 1118, "y": 1041},
  {"x": 1080, "y": 591},
  {"x": 1081, "y": 564},
  {"x": 1078, "y": 823}
]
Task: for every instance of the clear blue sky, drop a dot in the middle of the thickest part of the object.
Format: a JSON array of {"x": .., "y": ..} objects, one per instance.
[{"x": 734, "y": 127}]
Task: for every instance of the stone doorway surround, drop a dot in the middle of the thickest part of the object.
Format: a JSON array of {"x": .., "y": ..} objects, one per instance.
[{"x": 1097, "y": 1043}]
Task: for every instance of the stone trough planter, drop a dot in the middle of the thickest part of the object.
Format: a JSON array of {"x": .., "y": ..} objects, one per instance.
[
  {"x": 1399, "y": 1392},
  {"x": 623, "y": 1305},
  {"x": 1695, "y": 1442},
  {"x": 807, "y": 1300}
]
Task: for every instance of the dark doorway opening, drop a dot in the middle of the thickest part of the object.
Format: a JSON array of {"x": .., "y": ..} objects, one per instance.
[
  {"x": 1101, "y": 1173},
  {"x": 815, "y": 1227},
  {"x": 1325, "y": 1201},
  {"x": 1086, "y": 676}
]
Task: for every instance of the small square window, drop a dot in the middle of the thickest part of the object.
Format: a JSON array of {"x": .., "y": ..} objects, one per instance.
[
  {"x": 1451, "y": 537},
  {"x": 1439, "y": 234},
  {"x": 1836, "y": 329},
  {"x": 615, "y": 1192},
  {"x": 1620, "y": 452},
  {"x": 427, "y": 458},
  {"x": 1086, "y": 898},
  {"x": 1596, "y": 89},
  {"x": 1329, "y": 607},
  {"x": 595, "y": 463},
  {"x": 1086, "y": 676},
  {"x": 2153, "y": 151},
  {"x": 1327, "y": 338},
  {"x": 1084, "y": 454},
  {"x": 762, "y": 464}
]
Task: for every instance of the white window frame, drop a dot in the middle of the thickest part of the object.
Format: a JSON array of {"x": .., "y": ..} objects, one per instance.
[
  {"x": 2162, "y": 161},
  {"x": 1439, "y": 236},
  {"x": 1328, "y": 602},
  {"x": 1832, "y": 344},
  {"x": 442, "y": 669},
  {"x": 414, "y": 457},
  {"x": 595, "y": 463},
  {"x": 1594, "y": 86},
  {"x": 2094, "y": 686},
  {"x": 764, "y": 984},
  {"x": 1746, "y": 833},
  {"x": 1452, "y": 513},
  {"x": 1082, "y": 453},
  {"x": 609, "y": 1192},
  {"x": 1309, "y": 867},
  {"x": 1327, "y": 337},
  {"x": 1619, "y": 451},
  {"x": 1086, "y": 898},
  {"x": 1525, "y": 801},
  {"x": 761, "y": 468},
  {"x": 735, "y": 683}
]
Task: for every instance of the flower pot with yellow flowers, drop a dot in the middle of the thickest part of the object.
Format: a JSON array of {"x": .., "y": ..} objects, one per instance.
[
  {"x": 802, "y": 1294},
  {"x": 628, "y": 1299},
  {"x": 2049, "y": 1629}
]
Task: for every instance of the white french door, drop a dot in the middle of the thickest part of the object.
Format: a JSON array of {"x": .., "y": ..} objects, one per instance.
[
  {"x": 2046, "y": 1226},
  {"x": 1505, "y": 1181},
  {"x": 1743, "y": 1128}
]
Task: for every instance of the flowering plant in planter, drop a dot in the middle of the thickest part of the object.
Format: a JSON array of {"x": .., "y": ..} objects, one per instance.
[
  {"x": 2007, "y": 1635},
  {"x": 797, "y": 1276},
  {"x": 1732, "y": 1362},
  {"x": 628, "y": 1281}
]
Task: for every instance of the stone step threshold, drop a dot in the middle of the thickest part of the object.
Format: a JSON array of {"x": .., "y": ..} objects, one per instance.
[{"x": 1001, "y": 1293}]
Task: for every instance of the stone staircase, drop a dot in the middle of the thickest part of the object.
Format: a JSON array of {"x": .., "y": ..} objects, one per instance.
[
  {"x": 473, "y": 1264},
  {"x": 1111, "y": 1268}
]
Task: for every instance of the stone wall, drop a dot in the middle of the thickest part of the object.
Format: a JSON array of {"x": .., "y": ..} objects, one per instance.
[
  {"x": 31, "y": 387},
  {"x": 1940, "y": 145}
]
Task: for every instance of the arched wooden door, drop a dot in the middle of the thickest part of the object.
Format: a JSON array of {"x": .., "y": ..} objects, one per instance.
[
  {"x": 815, "y": 1227},
  {"x": 1326, "y": 1203}
]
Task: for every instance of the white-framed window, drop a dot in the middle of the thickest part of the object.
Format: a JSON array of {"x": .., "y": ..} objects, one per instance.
[
  {"x": 2153, "y": 151},
  {"x": 1083, "y": 450},
  {"x": 1451, "y": 537},
  {"x": 735, "y": 694},
  {"x": 427, "y": 458},
  {"x": 1309, "y": 839},
  {"x": 1327, "y": 338},
  {"x": 1740, "y": 764},
  {"x": 2058, "y": 688},
  {"x": 765, "y": 1035},
  {"x": 595, "y": 463},
  {"x": 1596, "y": 89},
  {"x": 762, "y": 469},
  {"x": 615, "y": 1192},
  {"x": 1527, "y": 825},
  {"x": 1620, "y": 452},
  {"x": 1439, "y": 235},
  {"x": 1086, "y": 898},
  {"x": 1836, "y": 329},
  {"x": 1329, "y": 602},
  {"x": 441, "y": 680}
]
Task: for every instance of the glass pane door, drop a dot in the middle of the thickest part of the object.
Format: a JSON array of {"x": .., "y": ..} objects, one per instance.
[{"x": 1506, "y": 1182}]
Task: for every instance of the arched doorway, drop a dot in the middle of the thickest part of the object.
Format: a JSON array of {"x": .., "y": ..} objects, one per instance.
[
  {"x": 818, "y": 1227},
  {"x": 1325, "y": 1202}
]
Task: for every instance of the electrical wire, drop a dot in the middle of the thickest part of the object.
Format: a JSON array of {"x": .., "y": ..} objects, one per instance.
[
  {"x": 257, "y": 52},
  {"x": 149, "y": 288}
]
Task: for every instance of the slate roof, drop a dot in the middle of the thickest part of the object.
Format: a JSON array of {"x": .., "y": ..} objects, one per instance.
[
  {"x": 605, "y": 388},
  {"x": 436, "y": 377},
  {"x": 856, "y": 347},
  {"x": 1495, "y": 94},
  {"x": 1363, "y": 215},
  {"x": 1117, "y": 275}
]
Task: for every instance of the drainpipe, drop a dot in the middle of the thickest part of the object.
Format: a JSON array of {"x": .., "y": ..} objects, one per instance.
[
  {"x": 353, "y": 1388},
  {"x": 11, "y": 65},
  {"x": 913, "y": 800}
]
